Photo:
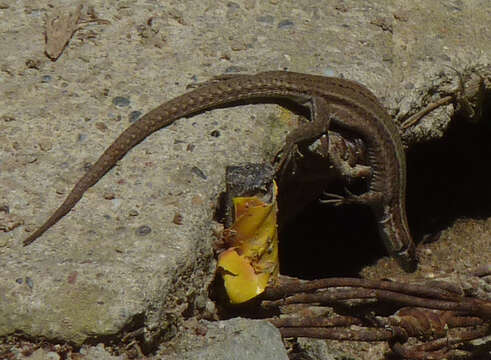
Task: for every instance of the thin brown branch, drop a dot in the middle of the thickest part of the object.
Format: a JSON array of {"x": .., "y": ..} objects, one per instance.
[
  {"x": 416, "y": 117},
  {"x": 293, "y": 286},
  {"x": 471, "y": 306},
  {"x": 431, "y": 350}
]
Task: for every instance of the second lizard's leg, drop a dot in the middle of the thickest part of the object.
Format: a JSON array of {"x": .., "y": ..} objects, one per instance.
[{"x": 317, "y": 128}]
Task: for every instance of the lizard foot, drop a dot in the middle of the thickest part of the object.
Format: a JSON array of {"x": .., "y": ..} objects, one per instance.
[{"x": 370, "y": 197}]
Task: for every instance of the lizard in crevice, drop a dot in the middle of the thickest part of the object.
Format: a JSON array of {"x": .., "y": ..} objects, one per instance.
[{"x": 341, "y": 103}]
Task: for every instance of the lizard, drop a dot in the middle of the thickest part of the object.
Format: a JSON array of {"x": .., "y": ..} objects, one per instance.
[{"x": 344, "y": 104}]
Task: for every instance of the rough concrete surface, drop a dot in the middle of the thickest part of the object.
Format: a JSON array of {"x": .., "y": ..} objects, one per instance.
[
  {"x": 120, "y": 261},
  {"x": 237, "y": 339}
]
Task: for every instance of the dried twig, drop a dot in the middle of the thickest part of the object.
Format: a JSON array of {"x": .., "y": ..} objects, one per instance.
[
  {"x": 419, "y": 295},
  {"x": 443, "y": 348},
  {"x": 436, "y": 312}
]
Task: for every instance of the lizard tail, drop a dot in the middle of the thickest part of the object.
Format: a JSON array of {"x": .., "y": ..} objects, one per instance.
[
  {"x": 124, "y": 143},
  {"x": 67, "y": 205}
]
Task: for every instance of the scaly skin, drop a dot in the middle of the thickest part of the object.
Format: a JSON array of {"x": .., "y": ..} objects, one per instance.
[{"x": 344, "y": 104}]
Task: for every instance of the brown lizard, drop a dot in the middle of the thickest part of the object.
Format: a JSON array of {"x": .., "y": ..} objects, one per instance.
[{"x": 345, "y": 104}]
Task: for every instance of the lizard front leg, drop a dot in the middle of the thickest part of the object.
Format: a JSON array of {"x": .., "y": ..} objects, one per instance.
[{"x": 316, "y": 129}]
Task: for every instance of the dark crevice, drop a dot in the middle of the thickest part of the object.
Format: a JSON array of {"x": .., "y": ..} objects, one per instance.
[
  {"x": 325, "y": 241},
  {"x": 449, "y": 178}
]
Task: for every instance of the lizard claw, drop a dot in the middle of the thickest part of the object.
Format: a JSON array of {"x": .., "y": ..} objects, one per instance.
[
  {"x": 337, "y": 200},
  {"x": 332, "y": 199}
]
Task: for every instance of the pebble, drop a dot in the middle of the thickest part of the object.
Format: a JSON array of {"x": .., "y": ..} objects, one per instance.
[
  {"x": 143, "y": 230},
  {"x": 197, "y": 171},
  {"x": 121, "y": 101},
  {"x": 109, "y": 195},
  {"x": 177, "y": 219},
  {"x": 46, "y": 78},
  {"x": 101, "y": 126},
  {"x": 285, "y": 24},
  {"x": 134, "y": 116}
]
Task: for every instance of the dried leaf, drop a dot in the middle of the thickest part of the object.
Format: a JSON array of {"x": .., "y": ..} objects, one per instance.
[{"x": 60, "y": 27}]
